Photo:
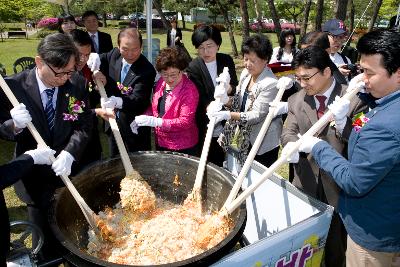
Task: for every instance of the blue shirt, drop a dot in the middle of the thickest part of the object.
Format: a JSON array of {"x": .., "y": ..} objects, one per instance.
[{"x": 369, "y": 203}]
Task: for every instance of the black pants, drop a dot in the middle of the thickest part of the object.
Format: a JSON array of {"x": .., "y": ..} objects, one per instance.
[
  {"x": 216, "y": 154},
  {"x": 336, "y": 241},
  {"x": 268, "y": 158}
]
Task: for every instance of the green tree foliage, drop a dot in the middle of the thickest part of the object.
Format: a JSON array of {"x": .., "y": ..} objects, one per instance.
[{"x": 21, "y": 10}]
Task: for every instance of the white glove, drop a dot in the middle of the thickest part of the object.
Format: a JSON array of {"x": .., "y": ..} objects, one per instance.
[
  {"x": 224, "y": 77},
  {"x": 20, "y": 116},
  {"x": 357, "y": 82},
  {"x": 62, "y": 164},
  {"x": 220, "y": 115},
  {"x": 339, "y": 108},
  {"x": 41, "y": 155},
  {"x": 308, "y": 143},
  {"x": 112, "y": 102},
  {"x": 214, "y": 106},
  {"x": 145, "y": 120},
  {"x": 221, "y": 92},
  {"x": 134, "y": 127},
  {"x": 284, "y": 82},
  {"x": 94, "y": 62},
  {"x": 294, "y": 157},
  {"x": 280, "y": 108}
]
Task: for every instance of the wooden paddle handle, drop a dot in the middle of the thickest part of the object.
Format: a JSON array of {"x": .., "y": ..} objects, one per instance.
[
  {"x": 88, "y": 213},
  {"x": 204, "y": 154},
  {"x": 326, "y": 118},
  {"x": 253, "y": 152},
  {"x": 117, "y": 134}
]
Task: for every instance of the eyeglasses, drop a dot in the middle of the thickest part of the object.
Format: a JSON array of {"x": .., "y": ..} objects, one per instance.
[
  {"x": 173, "y": 76},
  {"x": 60, "y": 74},
  {"x": 208, "y": 47},
  {"x": 305, "y": 79}
]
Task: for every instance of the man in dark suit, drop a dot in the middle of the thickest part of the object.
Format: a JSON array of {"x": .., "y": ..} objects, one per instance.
[
  {"x": 59, "y": 113},
  {"x": 369, "y": 179},
  {"x": 130, "y": 79},
  {"x": 319, "y": 89},
  {"x": 101, "y": 41},
  {"x": 83, "y": 74},
  {"x": 9, "y": 174}
]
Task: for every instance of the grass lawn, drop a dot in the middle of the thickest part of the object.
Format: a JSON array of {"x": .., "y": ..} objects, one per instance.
[{"x": 12, "y": 49}]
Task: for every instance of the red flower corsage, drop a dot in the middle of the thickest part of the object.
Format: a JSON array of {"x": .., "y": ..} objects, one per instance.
[
  {"x": 75, "y": 107},
  {"x": 87, "y": 73},
  {"x": 359, "y": 121},
  {"x": 124, "y": 89}
]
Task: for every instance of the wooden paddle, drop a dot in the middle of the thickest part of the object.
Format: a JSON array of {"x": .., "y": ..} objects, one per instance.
[
  {"x": 195, "y": 195},
  {"x": 90, "y": 216},
  {"x": 257, "y": 143},
  {"x": 210, "y": 227},
  {"x": 135, "y": 192}
]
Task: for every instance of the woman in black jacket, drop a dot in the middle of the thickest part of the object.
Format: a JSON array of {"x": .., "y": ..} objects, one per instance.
[
  {"x": 174, "y": 34},
  {"x": 203, "y": 71}
]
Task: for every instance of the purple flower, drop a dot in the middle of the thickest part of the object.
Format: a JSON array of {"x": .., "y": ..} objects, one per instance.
[
  {"x": 357, "y": 128},
  {"x": 50, "y": 23},
  {"x": 76, "y": 108},
  {"x": 364, "y": 119},
  {"x": 70, "y": 117}
]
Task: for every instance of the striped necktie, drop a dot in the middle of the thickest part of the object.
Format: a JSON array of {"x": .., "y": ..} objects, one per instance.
[{"x": 49, "y": 109}]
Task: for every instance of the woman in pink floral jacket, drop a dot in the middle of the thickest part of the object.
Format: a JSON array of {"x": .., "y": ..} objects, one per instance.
[{"x": 173, "y": 106}]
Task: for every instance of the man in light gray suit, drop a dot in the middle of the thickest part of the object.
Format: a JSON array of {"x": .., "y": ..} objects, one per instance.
[{"x": 319, "y": 89}]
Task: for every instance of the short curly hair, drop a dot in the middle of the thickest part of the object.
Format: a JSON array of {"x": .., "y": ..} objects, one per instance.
[{"x": 170, "y": 57}]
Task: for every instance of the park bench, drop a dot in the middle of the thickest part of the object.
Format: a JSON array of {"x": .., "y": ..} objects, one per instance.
[{"x": 16, "y": 32}]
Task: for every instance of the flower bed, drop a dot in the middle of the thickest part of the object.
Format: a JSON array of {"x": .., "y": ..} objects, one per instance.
[{"x": 48, "y": 23}]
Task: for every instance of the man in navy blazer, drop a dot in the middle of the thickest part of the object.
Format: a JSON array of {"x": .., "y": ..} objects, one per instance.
[
  {"x": 55, "y": 65},
  {"x": 370, "y": 178},
  {"x": 101, "y": 41},
  {"x": 132, "y": 97}
]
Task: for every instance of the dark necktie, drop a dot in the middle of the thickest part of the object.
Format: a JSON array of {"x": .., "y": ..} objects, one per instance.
[
  {"x": 49, "y": 109},
  {"x": 321, "y": 110},
  {"x": 367, "y": 99}
]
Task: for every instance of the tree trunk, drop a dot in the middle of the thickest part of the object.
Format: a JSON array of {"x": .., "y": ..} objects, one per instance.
[
  {"x": 374, "y": 15},
  {"x": 320, "y": 13},
  {"x": 275, "y": 17},
  {"x": 352, "y": 16},
  {"x": 341, "y": 9},
  {"x": 158, "y": 7},
  {"x": 104, "y": 19},
  {"x": 258, "y": 14},
  {"x": 306, "y": 14},
  {"x": 183, "y": 21},
  {"x": 224, "y": 12},
  {"x": 245, "y": 19}
]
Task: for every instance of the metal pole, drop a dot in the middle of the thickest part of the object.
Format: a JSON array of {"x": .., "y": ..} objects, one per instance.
[
  {"x": 149, "y": 5},
  {"x": 362, "y": 17},
  {"x": 397, "y": 26}
]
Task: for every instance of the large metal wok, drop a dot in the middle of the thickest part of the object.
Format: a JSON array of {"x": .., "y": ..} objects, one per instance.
[{"x": 99, "y": 186}]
